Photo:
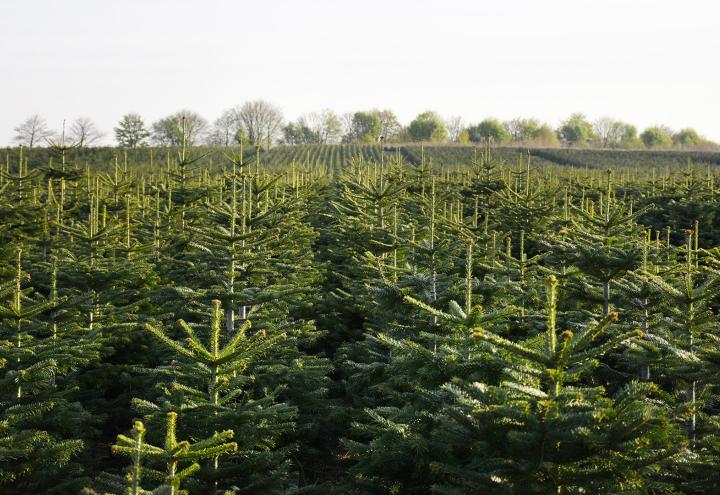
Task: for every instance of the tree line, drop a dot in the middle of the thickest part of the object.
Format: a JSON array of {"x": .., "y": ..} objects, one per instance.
[{"x": 260, "y": 123}]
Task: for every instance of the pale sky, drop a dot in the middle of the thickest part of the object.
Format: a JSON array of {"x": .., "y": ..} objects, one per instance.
[{"x": 643, "y": 61}]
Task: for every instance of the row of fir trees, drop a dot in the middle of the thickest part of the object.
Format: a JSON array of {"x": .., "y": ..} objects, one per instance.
[{"x": 190, "y": 326}]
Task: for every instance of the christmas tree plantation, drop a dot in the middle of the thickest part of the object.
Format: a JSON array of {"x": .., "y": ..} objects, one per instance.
[{"x": 185, "y": 322}]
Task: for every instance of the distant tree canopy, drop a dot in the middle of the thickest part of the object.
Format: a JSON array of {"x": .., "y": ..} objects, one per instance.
[
  {"x": 32, "y": 131},
  {"x": 369, "y": 126},
  {"x": 531, "y": 131},
  {"x": 688, "y": 137},
  {"x": 657, "y": 137},
  {"x": 463, "y": 137},
  {"x": 184, "y": 125},
  {"x": 611, "y": 133},
  {"x": 522, "y": 129},
  {"x": 365, "y": 127},
  {"x": 299, "y": 132},
  {"x": 545, "y": 136},
  {"x": 225, "y": 128},
  {"x": 488, "y": 131},
  {"x": 390, "y": 127},
  {"x": 428, "y": 126},
  {"x": 314, "y": 128},
  {"x": 261, "y": 123},
  {"x": 131, "y": 132},
  {"x": 576, "y": 130},
  {"x": 328, "y": 126},
  {"x": 84, "y": 132},
  {"x": 456, "y": 128}
]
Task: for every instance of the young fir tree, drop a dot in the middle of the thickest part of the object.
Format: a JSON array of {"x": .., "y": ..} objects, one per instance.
[
  {"x": 398, "y": 369},
  {"x": 541, "y": 429},
  {"x": 105, "y": 274},
  {"x": 40, "y": 424},
  {"x": 214, "y": 384},
  {"x": 249, "y": 247},
  {"x": 418, "y": 258},
  {"x": 396, "y": 372},
  {"x": 246, "y": 247},
  {"x": 601, "y": 246},
  {"x": 21, "y": 214},
  {"x": 688, "y": 295},
  {"x": 361, "y": 220},
  {"x": 638, "y": 300},
  {"x": 177, "y": 461},
  {"x": 513, "y": 278},
  {"x": 524, "y": 205}
]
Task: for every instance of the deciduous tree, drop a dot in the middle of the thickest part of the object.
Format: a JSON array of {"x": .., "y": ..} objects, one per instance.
[
  {"x": 261, "y": 121},
  {"x": 131, "y": 131},
  {"x": 428, "y": 126},
  {"x": 657, "y": 137},
  {"x": 576, "y": 130},
  {"x": 488, "y": 131},
  {"x": 184, "y": 126},
  {"x": 364, "y": 127},
  {"x": 84, "y": 132},
  {"x": 32, "y": 131},
  {"x": 687, "y": 137}
]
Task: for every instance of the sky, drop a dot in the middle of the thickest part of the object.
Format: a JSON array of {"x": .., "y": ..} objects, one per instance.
[{"x": 647, "y": 62}]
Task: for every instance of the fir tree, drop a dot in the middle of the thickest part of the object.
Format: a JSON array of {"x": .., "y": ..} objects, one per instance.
[
  {"x": 40, "y": 425},
  {"x": 688, "y": 296},
  {"x": 176, "y": 460},
  {"x": 542, "y": 430},
  {"x": 214, "y": 385}
]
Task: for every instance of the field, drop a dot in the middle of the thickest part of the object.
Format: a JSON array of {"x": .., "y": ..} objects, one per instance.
[
  {"x": 334, "y": 158},
  {"x": 358, "y": 319}
]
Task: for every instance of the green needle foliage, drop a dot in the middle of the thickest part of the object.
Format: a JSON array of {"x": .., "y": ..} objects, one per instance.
[
  {"x": 176, "y": 461},
  {"x": 39, "y": 424},
  {"x": 602, "y": 246},
  {"x": 405, "y": 337},
  {"x": 213, "y": 383},
  {"x": 542, "y": 430}
]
